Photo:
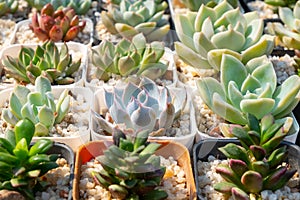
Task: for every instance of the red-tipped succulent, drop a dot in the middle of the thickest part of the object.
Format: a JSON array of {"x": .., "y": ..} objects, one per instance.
[
  {"x": 59, "y": 25},
  {"x": 257, "y": 164}
]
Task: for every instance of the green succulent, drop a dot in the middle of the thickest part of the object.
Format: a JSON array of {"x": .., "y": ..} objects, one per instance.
[
  {"x": 281, "y": 3},
  {"x": 194, "y": 5},
  {"x": 287, "y": 34},
  {"x": 46, "y": 60},
  {"x": 132, "y": 17},
  {"x": 129, "y": 58},
  {"x": 131, "y": 170},
  {"x": 39, "y": 106},
  {"x": 8, "y": 6},
  {"x": 207, "y": 34},
  {"x": 22, "y": 165},
  {"x": 81, "y": 7},
  {"x": 253, "y": 91},
  {"x": 257, "y": 165}
]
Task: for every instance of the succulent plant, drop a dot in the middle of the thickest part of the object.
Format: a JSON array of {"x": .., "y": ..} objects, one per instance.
[
  {"x": 207, "y": 34},
  {"x": 130, "y": 168},
  {"x": 47, "y": 60},
  {"x": 81, "y": 7},
  {"x": 257, "y": 165},
  {"x": 128, "y": 58},
  {"x": 8, "y": 6},
  {"x": 253, "y": 91},
  {"x": 22, "y": 165},
  {"x": 56, "y": 25},
  {"x": 287, "y": 35},
  {"x": 133, "y": 17},
  {"x": 281, "y": 3},
  {"x": 39, "y": 106},
  {"x": 194, "y": 5},
  {"x": 144, "y": 107}
]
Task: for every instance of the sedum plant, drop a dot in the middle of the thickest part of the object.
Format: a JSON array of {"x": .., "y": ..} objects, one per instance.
[
  {"x": 132, "y": 17},
  {"x": 22, "y": 165},
  {"x": 129, "y": 58},
  {"x": 46, "y": 60},
  {"x": 8, "y": 6},
  {"x": 287, "y": 35},
  {"x": 194, "y": 5},
  {"x": 257, "y": 165},
  {"x": 207, "y": 34},
  {"x": 39, "y": 106},
  {"x": 131, "y": 170},
  {"x": 253, "y": 91},
  {"x": 81, "y": 7},
  {"x": 56, "y": 25},
  {"x": 144, "y": 107}
]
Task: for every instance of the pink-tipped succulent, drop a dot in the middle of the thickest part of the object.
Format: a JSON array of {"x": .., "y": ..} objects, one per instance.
[
  {"x": 257, "y": 165},
  {"x": 59, "y": 25}
]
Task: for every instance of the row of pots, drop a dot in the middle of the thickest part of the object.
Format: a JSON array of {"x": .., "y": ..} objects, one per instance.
[{"x": 201, "y": 152}]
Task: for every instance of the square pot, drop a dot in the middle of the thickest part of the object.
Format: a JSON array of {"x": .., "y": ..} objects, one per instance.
[{"x": 95, "y": 148}]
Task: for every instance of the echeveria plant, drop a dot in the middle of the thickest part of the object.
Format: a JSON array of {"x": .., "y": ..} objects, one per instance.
[
  {"x": 257, "y": 165},
  {"x": 287, "y": 34},
  {"x": 250, "y": 88},
  {"x": 207, "y": 34},
  {"x": 133, "y": 17},
  {"x": 39, "y": 106},
  {"x": 46, "y": 60},
  {"x": 145, "y": 107},
  {"x": 128, "y": 58},
  {"x": 131, "y": 170},
  {"x": 22, "y": 165},
  {"x": 56, "y": 25}
]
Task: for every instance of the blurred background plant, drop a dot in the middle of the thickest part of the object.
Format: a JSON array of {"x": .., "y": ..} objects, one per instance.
[
  {"x": 81, "y": 7},
  {"x": 56, "y": 25},
  {"x": 132, "y": 17}
]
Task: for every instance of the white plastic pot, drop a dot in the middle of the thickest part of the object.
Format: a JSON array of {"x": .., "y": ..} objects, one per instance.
[
  {"x": 73, "y": 141},
  {"x": 74, "y": 48},
  {"x": 99, "y": 104}
]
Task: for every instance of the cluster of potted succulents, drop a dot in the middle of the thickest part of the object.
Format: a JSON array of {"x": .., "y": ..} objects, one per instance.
[{"x": 135, "y": 104}]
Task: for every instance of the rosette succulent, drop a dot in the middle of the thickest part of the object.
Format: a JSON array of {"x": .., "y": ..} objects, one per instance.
[
  {"x": 128, "y": 58},
  {"x": 56, "y": 25},
  {"x": 39, "y": 106},
  {"x": 207, "y": 34},
  {"x": 81, "y": 7},
  {"x": 250, "y": 88},
  {"x": 22, "y": 165},
  {"x": 131, "y": 170},
  {"x": 194, "y": 5},
  {"x": 133, "y": 17},
  {"x": 47, "y": 60},
  {"x": 8, "y": 6},
  {"x": 287, "y": 35},
  {"x": 257, "y": 165},
  {"x": 144, "y": 107}
]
